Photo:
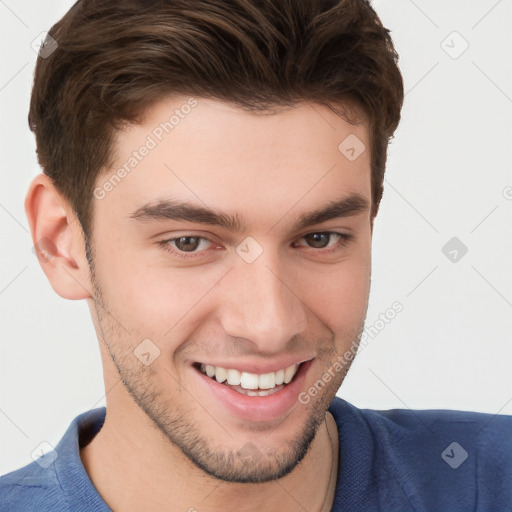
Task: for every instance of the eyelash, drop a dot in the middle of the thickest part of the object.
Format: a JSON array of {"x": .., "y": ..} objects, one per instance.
[{"x": 344, "y": 239}]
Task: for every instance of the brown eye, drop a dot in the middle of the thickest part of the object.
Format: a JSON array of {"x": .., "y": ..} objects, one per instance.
[
  {"x": 328, "y": 240},
  {"x": 318, "y": 240},
  {"x": 186, "y": 246},
  {"x": 187, "y": 243}
]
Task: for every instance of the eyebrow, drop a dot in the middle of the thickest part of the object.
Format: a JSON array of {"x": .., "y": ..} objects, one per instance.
[{"x": 173, "y": 209}]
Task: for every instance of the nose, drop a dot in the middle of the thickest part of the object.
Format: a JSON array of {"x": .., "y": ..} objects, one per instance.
[{"x": 259, "y": 304}]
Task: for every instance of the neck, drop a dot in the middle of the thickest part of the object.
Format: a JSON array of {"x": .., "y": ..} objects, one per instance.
[{"x": 137, "y": 468}]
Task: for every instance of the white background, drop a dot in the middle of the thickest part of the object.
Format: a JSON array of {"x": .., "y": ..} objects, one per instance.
[{"x": 448, "y": 171}]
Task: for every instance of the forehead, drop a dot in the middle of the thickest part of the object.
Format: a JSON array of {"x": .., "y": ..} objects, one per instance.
[{"x": 211, "y": 152}]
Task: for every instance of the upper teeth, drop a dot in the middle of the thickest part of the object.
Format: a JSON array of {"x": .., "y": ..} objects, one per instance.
[{"x": 250, "y": 380}]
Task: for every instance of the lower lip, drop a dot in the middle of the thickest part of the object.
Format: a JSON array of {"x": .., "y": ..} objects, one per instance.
[{"x": 257, "y": 408}]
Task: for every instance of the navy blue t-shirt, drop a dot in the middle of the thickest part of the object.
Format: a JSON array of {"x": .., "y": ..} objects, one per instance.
[{"x": 393, "y": 461}]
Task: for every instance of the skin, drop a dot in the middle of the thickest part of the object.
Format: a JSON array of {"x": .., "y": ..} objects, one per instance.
[{"x": 167, "y": 444}]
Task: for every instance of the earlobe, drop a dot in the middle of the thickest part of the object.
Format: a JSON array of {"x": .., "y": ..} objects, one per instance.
[{"x": 58, "y": 239}]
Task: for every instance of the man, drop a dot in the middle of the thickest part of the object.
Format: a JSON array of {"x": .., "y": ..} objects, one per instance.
[{"x": 212, "y": 171}]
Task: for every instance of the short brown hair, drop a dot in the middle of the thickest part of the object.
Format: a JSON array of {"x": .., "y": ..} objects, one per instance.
[{"x": 114, "y": 59}]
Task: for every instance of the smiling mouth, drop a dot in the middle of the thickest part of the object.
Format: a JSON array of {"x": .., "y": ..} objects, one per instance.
[{"x": 250, "y": 384}]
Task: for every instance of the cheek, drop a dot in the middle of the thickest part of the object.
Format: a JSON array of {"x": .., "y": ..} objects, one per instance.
[
  {"x": 158, "y": 302},
  {"x": 339, "y": 296}
]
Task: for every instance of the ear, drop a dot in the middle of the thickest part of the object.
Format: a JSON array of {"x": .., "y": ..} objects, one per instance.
[{"x": 58, "y": 239}]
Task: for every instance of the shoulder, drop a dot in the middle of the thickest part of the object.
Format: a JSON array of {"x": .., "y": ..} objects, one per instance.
[
  {"x": 56, "y": 481},
  {"x": 449, "y": 437},
  {"x": 34, "y": 487},
  {"x": 421, "y": 428},
  {"x": 439, "y": 457},
  {"x": 462, "y": 435}
]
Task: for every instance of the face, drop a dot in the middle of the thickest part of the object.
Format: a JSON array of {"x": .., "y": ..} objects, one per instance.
[{"x": 232, "y": 272}]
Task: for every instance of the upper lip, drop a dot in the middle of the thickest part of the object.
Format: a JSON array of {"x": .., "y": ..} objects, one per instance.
[{"x": 261, "y": 367}]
